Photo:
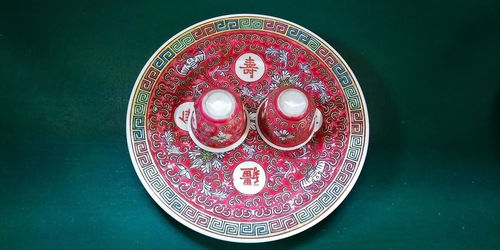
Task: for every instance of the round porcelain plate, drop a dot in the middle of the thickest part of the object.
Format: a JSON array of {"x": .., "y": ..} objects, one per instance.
[{"x": 253, "y": 193}]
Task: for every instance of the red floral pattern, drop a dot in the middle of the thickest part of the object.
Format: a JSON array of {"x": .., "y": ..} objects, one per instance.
[{"x": 204, "y": 179}]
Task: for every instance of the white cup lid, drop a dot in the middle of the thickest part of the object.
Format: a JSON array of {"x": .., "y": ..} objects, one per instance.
[
  {"x": 292, "y": 102},
  {"x": 219, "y": 104}
]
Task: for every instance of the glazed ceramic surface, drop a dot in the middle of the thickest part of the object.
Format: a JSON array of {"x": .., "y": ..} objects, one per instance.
[
  {"x": 287, "y": 117},
  {"x": 255, "y": 192},
  {"x": 218, "y": 119}
]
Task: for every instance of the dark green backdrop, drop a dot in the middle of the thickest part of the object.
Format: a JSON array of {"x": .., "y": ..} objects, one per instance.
[{"x": 430, "y": 72}]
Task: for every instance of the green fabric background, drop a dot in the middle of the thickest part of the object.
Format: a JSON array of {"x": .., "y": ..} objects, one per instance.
[{"x": 430, "y": 72}]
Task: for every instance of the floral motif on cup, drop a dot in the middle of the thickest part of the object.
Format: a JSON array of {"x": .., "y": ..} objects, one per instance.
[
  {"x": 283, "y": 134},
  {"x": 221, "y": 137}
]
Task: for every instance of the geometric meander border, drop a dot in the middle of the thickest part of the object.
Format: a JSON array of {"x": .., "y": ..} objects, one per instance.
[
  {"x": 191, "y": 214},
  {"x": 229, "y": 228}
]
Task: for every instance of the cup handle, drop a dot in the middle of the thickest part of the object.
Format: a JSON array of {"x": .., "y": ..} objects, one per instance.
[{"x": 318, "y": 120}]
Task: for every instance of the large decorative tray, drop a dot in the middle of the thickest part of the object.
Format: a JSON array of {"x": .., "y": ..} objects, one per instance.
[{"x": 253, "y": 193}]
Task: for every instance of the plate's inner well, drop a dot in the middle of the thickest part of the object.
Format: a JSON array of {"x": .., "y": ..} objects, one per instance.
[{"x": 254, "y": 190}]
